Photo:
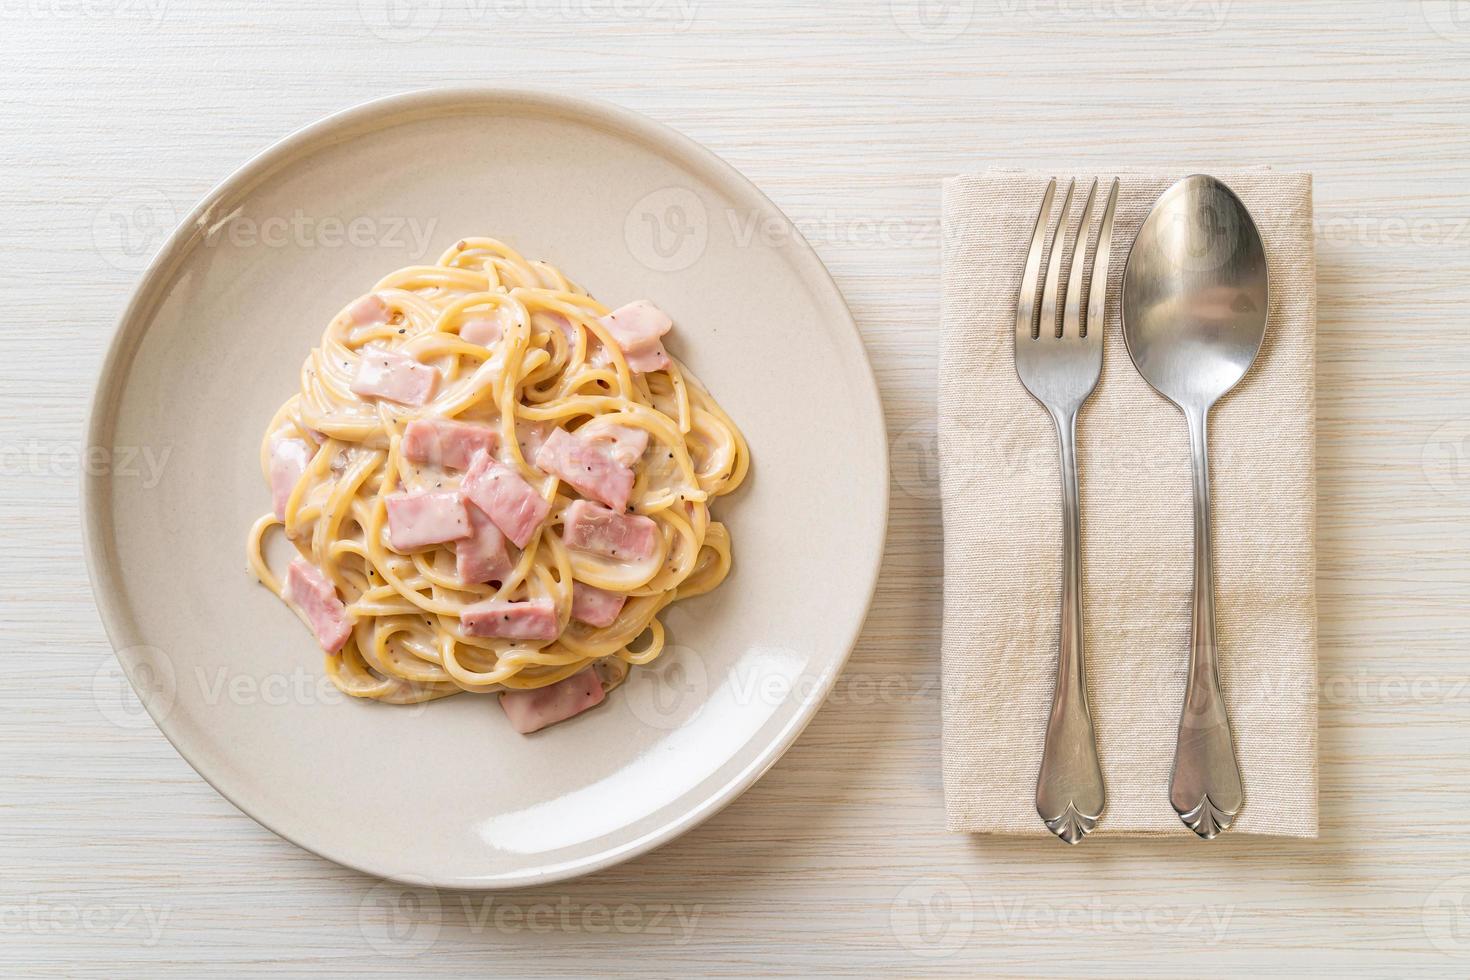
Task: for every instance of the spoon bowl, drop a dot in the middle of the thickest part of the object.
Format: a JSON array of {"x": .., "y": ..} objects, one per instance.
[{"x": 1194, "y": 293}]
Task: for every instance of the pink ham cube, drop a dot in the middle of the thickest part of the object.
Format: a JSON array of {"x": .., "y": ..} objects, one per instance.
[
  {"x": 444, "y": 442},
  {"x": 594, "y": 606},
  {"x": 417, "y": 520},
  {"x": 483, "y": 331},
  {"x": 369, "y": 309},
  {"x": 512, "y": 503},
  {"x": 588, "y": 466},
  {"x": 482, "y": 556},
  {"x": 629, "y": 537},
  {"x": 637, "y": 327},
  {"x": 626, "y": 443},
  {"x": 289, "y": 458},
  {"x": 532, "y": 619},
  {"x": 383, "y": 373},
  {"x": 533, "y": 710},
  {"x": 531, "y": 436},
  {"x": 309, "y": 591}
]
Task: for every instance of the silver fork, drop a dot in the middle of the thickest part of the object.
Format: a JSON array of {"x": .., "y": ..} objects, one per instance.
[{"x": 1060, "y": 369}]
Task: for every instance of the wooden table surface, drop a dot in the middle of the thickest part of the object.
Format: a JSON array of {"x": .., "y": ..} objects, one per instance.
[{"x": 117, "y": 859}]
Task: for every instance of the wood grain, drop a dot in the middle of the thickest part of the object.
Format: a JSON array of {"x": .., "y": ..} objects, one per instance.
[{"x": 117, "y": 859}]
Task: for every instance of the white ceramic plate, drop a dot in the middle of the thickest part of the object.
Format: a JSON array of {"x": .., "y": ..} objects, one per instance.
[{"x": 212, "y": 342}]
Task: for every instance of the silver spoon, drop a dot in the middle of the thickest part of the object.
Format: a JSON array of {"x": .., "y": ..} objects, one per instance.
[{"x": 1194, "y": 316}]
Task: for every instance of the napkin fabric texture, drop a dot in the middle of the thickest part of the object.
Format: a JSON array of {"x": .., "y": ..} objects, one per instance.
[{"x": 1002, "y": 530}]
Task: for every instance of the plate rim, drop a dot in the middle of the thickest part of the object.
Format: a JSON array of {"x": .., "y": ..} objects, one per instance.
[{"x": 129, "y": 330}]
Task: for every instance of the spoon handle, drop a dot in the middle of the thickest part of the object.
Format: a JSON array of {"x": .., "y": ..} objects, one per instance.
[
  {"x": 1069, "y": 788},
  {"x": 1205, "y": 787}
]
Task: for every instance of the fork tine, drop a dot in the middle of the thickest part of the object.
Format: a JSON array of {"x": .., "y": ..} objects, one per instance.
[
  {"x": 1098, "y": 295},
  {"x": 1048, "y": 327},
  {"x": 1072, "y": 314},
  {"x": 1026, "y": 301}
]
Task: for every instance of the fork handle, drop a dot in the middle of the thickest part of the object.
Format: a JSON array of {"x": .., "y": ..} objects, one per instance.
[
  {"x": 1069, "y": 789},
  {"x": 1205, "y": 787}
]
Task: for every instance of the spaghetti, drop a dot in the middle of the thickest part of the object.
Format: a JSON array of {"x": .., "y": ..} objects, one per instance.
[{"x": 493, "y": 483}]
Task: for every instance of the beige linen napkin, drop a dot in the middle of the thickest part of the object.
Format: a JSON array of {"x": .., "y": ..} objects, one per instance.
[{"x": 1002, "y": 520}]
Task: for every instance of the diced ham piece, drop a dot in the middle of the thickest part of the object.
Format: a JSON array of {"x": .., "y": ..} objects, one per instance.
[
  {"x": 417, "y": 520},
  {"x": 594, "y": 606},
  {"x": 655, "y": 359},
  {"x": 630, "y": 537},
  {"x": 394, "y": 376},
  {"x": 531, "y": 436},
  {"x": 289, "y": 458},
  {"x": 533, "y": 710},
  {"x": 483, "y": 331},
  {"x": 533, "y": 619},
  {"x": 308, "y": 590},
  {"x": 625, "y": 442},
  {"x": 637, "y": 327},
  {"x": 588, "y": 465},
  {"x": 481, "y": 557},
  {"x": 512, "y": 503},
  {"x": 444, "y": 442},
  {"x": 369, "y": 309}
]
